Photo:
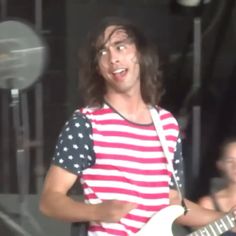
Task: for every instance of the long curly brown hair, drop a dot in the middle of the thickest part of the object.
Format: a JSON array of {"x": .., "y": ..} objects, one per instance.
[{"x": 91, "y": 83}]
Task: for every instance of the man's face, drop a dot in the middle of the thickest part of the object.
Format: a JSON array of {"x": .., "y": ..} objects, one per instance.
[
  {"x": 228, "y": 162},
  {"x": 118, "y": 62}
]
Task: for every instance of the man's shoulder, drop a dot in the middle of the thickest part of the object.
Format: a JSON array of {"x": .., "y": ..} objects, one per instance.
[
  {"x": 89, "y": 110},
  {"x": 167, "y": 116}
]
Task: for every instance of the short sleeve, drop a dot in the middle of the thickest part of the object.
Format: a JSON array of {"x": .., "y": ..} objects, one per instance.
[
  {"x": 74, "y": 149},
  {"x": 178, "y": 166}
]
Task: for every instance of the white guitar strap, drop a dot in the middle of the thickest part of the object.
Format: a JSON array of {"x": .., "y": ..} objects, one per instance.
[{"x": 160, "y": 132}]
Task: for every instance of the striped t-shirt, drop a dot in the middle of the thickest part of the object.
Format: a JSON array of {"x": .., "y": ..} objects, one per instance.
[{"x": 119, "y": 159}]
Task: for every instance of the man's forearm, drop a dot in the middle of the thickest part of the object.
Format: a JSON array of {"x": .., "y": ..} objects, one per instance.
[{"x": 65, "y": 208}]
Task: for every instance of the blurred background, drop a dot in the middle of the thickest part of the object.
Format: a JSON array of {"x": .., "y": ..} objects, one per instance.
[{"x": 196, "y": 42}]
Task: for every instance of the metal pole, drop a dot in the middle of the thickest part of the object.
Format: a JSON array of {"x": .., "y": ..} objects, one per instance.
[
  {"x": 196, "y": 108},
  {"x": 5, "y": 124},
  {"x": 39, "y": 168},
  {"x": 5, "y": 142},
  {"x": 3, "y": 9}
]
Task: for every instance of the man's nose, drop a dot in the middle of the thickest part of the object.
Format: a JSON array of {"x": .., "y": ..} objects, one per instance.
[{"x": 114, "y": 56}]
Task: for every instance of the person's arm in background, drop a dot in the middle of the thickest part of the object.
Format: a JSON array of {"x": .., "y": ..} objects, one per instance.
[{"x": 206, "y": 202}]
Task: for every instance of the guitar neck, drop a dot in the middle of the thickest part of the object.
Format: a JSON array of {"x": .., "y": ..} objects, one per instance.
[{"x": 217, "y": 227}]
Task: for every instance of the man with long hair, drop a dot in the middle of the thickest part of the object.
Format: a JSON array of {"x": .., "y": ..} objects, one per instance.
[{"x": 111, "y": 144}]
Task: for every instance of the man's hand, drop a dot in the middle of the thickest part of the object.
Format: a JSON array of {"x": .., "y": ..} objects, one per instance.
[{"x": 112, "y": 211}]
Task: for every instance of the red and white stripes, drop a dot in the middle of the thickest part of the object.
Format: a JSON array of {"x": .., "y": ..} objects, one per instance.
[{"x": 130, "y": 166}]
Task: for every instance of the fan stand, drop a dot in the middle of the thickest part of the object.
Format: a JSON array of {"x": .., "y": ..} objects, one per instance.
[
  {"x": 21, "y": 64},
  {"x": 22, "y": 160},
  {"x": 22, "y": 168}
]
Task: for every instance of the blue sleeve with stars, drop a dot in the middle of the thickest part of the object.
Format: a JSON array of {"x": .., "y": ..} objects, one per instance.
[
  {"x": 74, "y": 149},
  {"x": 178, "y": 165}
]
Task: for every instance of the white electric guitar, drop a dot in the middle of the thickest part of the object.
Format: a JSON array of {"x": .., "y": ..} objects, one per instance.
[{"x": 161, "y": 224}]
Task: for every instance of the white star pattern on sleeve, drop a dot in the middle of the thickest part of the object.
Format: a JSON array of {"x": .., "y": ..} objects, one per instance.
[
  {"x": 74, "y": 148},
  {"x": 178, "y": 167}
]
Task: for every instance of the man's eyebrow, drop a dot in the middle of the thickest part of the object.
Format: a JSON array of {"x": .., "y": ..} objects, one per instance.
[
  {"x": 118, "y": 41},
  {"x": 124, "y": 40}
]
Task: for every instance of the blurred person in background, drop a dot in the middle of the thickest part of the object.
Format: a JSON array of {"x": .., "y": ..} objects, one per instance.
[{"x": 224, "y": 198}]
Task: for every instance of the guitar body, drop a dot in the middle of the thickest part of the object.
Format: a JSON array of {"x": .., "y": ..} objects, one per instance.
[{"x": 161, "y": 222}]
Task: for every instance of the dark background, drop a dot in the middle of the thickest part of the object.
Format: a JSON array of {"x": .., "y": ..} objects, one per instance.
[{"x": 171, "y": 26}]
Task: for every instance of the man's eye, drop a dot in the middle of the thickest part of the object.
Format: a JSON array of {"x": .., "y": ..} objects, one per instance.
[
  {"x": 102, "y": 52},
  {"x": 120, "y": 47}
]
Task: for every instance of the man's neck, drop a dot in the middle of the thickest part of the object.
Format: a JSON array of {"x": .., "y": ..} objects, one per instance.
[{"x": 132, "y": 108}]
